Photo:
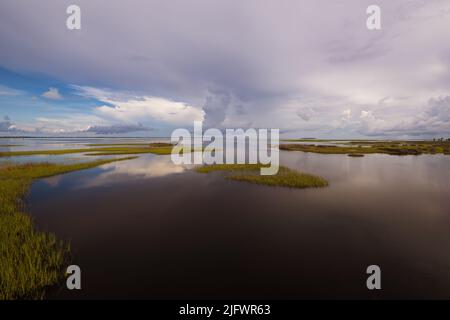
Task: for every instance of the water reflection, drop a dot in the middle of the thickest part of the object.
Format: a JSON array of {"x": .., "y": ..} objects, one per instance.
[
  {"x": 375, "y": 170},
  {"x": 26, "y": 144},
  {"x": 145, "y": 228},
  {"x": 35, "y": 144},
  {"x": 144, "y": 167}
]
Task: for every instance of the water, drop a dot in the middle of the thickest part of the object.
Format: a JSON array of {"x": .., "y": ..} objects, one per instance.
[
  {"x": 146, "y": 228},
  {"x": 31, "y": 144}
]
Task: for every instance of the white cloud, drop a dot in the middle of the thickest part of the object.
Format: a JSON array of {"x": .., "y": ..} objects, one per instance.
[
  {"x": 129, "y": 108},
  {"x": 74, "y": 123},
  {"x": 117, "y": 129},
  {"x": 7, "y": 91},
  {"x": 346, "y": 114},
  {"x": 52, "y": 94}
]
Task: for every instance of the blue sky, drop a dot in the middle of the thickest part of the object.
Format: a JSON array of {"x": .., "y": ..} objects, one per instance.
[
  {"x": 27, "y": 99},
  {"x": 144, "y": 68},
  {"x": 36, "y": 104},
  {"x": 22, "y": 97}
]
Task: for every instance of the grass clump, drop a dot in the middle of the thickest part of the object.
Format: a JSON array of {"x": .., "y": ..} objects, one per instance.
[
  {"x": 250, "y": 173},
  {"x": 229, "y": 167},
  {"x": 30, "y": 260},
  {"x": 355, "y": 155}
]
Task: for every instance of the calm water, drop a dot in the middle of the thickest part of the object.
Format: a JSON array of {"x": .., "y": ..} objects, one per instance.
[
  {"x": 146, "y": 228},
  {"x": 27, "y": 144}
]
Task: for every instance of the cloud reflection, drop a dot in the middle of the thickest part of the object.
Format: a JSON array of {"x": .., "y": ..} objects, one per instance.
[{"x": 144, "y": 167}]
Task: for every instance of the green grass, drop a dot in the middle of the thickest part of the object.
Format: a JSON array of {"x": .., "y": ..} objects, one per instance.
[
  {"x": 154, "y": 144},
  {"x": 310, "y": 140},
  {"x": 229, "y": 167},
  {"x": 117, "y": 150},
  {"x": 30, "y": 260},
  {"x": 329, "y": 149},
  {"x": 251, "y": 173},
  {"x": 356, "y": 148}
]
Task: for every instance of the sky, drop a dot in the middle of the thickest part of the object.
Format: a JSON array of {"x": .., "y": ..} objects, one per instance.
[{"x": 144, "y": 68}]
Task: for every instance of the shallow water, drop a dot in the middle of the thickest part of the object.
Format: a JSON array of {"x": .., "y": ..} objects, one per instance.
[
  {"x": 24, "y": 144},
  {"x": 31, "y": 144},
  {"x": 146, "y": 228}
]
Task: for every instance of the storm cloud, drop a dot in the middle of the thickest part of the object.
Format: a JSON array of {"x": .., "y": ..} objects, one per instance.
[
  {"x": 272, "y": 60},
  {"x": 6, "y": 125}
]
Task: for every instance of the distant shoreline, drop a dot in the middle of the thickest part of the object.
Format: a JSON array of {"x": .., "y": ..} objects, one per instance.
[
  {"x": 168, "y": 137},
  {"x": 72, "y": 137}
]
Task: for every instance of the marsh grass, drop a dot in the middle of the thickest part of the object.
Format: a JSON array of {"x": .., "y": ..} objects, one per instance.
[
  {"x": 229, "y": 167},
  {"x": 355, "y": 155},
  {"x": 105, "y": 150},
  {"x": 250, "y": 173},
  {"x": 367, "y": 147},
  {"x": 150, "y": 145},
  {"x": 123, "y": 151},
  {"x": 311, "y": 140},
  {"x": 327, "y": 149},
  {"x": 100, "y": 150},
  {"x": 30, "y": 260}
]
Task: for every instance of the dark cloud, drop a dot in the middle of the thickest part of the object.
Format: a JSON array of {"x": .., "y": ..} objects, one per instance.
[
  {"x": 433, "y": 121},
  {"x": 252, "y": 51},
  {"x": 215, "y": 108},
  {"x": 260, "y": 56},
  {"x": 6, "y": 125},
  {"x": 305, "y": 113}
]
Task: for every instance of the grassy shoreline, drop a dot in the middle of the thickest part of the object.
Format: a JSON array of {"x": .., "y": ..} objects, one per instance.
[
  {"x": 250, "y": 173},
  {"x": 369, "y": 147},
  {"x": 111, "y": 149},
  {"x": 31, "y": 260}
]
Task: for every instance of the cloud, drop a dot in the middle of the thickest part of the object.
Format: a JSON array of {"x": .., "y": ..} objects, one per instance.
[
  {"x": 6, "y": 125},
  {"x": 305, "y": 113},
  {"x": 215, "y": 108},
  {"x": 434, "y": 120},
  {"x": 72, "y": 123},
  {"x": 6, "y": 91},
  {"x": 52, "y": 94},
  {"x": 127, "y": 107},
  {"x": 346, "y": 114},
  {"x": 315, "y": 53},
  {"x": 117, "y": 129}
]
